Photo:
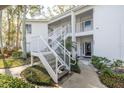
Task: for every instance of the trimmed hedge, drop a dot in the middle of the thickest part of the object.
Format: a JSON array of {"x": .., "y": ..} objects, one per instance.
[{"x": 10, "y": 82}]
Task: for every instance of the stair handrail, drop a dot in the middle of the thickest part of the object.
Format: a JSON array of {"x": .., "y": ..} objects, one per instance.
[
  {"x": 66, "y": 51},
  {"x": 57, "y": 57}
]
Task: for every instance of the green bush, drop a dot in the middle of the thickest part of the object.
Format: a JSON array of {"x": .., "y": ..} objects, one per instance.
[
  {"x": 107, "y": 75},
  {"x": 69, "y": 44},
  {"x": 37, "y": 75},
  {"x": 17, "y": 54},
  {"x": 10, "y": 82},
  {"x": 111, "y": 79},
  {"x": 117, "y": 63},
  {"x": 100, "y": 62},
  {"x": 28, "y": 55},
  {"x": 75, "y": 67}
]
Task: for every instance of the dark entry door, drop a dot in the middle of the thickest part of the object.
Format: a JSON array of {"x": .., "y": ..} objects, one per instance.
[{"x": 87, "y": 48}]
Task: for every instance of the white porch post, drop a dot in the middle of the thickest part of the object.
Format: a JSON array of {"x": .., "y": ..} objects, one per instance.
[{"x": 73, "y": 19}]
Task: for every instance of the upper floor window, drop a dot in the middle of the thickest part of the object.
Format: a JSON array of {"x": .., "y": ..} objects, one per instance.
[
  {"x": 28, "y": 28},
  {"x": 87, "y": 25}
]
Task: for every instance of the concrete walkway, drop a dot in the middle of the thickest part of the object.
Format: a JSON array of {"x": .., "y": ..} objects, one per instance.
[
  {"x": 87, "y": 79},
  {"x": 15, "y": 72}
]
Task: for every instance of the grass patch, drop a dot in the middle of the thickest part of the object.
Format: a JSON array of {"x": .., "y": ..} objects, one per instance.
[
  {"x": 10, "y": 82},
  {"x": 11, "y": 62},
  {"x": 37, "y": 75}
]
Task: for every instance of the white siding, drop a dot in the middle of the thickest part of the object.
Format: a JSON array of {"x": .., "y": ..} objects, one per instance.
[
  {"x": 38, "y": 28},
  {"x": 107, "y": 26}
]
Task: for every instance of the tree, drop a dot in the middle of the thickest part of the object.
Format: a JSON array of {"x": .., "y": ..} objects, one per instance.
[
  {"x": 1, "y": 41},
  {"x": 24, "y": 33}
]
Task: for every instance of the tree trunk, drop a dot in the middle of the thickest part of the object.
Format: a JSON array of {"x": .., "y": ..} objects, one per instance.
[
  {"x": 24, "y": 34},
  {"x": 18, "y": 28},
  {"x": 8, "y": 42},
  {"x": 1, "y": 41}
]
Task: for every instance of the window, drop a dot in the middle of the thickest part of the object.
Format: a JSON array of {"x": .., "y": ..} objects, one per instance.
[
  {"x": 88, "y": 25},
  {"x": 28, "y": 28}
]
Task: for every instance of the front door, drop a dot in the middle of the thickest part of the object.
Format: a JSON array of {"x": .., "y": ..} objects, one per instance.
[{"x": 87, "y": 49}]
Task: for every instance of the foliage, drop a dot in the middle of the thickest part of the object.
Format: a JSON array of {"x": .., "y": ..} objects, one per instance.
[
  {"x": 68, "y": 44},
  {"x": 12, "y": 22},
  {"x": 37, "y": 75},
  {"x": 10, "y": 82},
  {"x": 28, "y": 55},
  {"x": 111, "y": 79},
  {"x": 17, "y": 54},
  {"x": 99, "y": 62},
  {"x": 11, "y": 62},
  {"x": 117, "y": 63},
  {"x": 107, "y": 75},
  {"x": 75, "y": 67}
]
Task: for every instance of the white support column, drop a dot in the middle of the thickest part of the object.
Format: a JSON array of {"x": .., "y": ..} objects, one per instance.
[{"x": 73, "y": 24}]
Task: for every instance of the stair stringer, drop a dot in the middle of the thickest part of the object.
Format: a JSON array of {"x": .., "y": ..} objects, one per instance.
[{"x": 50, "y": 71}]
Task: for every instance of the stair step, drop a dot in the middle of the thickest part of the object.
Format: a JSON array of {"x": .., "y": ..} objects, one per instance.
[
  {"x": 52, "y": 62},
  {"x": 53, "y": 67},
  {"x": 62, "y": 74},
  {"x": 49, "y": 57}
]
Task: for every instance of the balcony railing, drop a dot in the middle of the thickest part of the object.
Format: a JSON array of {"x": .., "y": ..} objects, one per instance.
[
  {"x": 86, "y": 25},
  {"x": 83, "y": 26}
]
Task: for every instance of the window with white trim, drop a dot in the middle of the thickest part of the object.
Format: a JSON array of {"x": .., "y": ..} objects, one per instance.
[
  {"x": 87, "y": 25},
  {"x": 28, "y": 28}
]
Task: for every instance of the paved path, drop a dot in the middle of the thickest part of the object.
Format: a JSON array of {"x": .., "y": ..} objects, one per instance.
[
  {"x": 87, "y": 79},
  {"x": 15, "y": 72}
]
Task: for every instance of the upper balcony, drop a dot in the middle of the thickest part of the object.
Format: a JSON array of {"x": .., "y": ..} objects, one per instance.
[
  {"x": 83, "y": 24},
  {"x": 84, "y": 28}
]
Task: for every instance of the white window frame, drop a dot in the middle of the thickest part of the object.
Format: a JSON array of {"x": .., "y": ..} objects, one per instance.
[
  {"x": 27, "y": 29},
  {"x": 83, "y": 27}
]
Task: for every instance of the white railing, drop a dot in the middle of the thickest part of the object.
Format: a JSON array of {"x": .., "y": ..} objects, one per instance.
[
  {"x": 80, "y": 26},
  {"x": 57, "y": 32},
  {"x": 56, "y": 44},
  {"x": 40, "y": 43}
]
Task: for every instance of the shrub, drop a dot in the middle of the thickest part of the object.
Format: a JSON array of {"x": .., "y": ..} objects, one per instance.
[
  {"x": 99, "y": 62},
  {"x": 69, "y": 44},
  {"x": 17, "y": 54},
  {"x": 107, "y": 75},
  {"x": 111, "y": 79},
  {"x": 28, "y": 55},
  {"x": 10, "y": 82},
  {"x": 75, "y": 67},
  {"x": 117, "y": 63}
]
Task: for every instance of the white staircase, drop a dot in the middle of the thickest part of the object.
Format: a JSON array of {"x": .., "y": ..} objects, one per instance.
[{"x": 52, "y": 54}]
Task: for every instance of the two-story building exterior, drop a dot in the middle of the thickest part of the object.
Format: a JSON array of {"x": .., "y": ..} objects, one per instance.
[{"x": 97, "y": 30}]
